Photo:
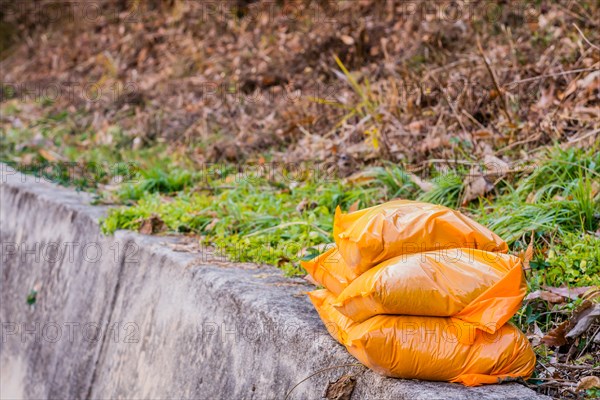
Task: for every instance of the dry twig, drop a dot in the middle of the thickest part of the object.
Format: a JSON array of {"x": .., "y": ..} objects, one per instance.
[{"x": 495, "y": 80}]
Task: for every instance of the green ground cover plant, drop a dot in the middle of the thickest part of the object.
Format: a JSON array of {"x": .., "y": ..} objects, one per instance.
[{"x": 556, "y": 200}]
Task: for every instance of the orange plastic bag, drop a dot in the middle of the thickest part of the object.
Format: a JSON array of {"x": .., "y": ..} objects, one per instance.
[
  {"x": 330, "y": 270},
  {"x": 368, "y": 237},
  {"x": 477, "y": 286},
  {"x": 429, "y": 348}
]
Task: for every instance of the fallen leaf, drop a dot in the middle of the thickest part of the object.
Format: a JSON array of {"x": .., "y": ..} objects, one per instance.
[
  {"x": 27, "y": 159},
  {"x": 546, "y": 99},
  {"x": 152, "y": 225},
  {"x": 556, "y": 337},
  {"x": 536, "y": 337},
  {"x": 571, "y": 293},
  {"x": 417, "y": 126},
  {"x": 142, "y": 56},
  {"x": 50, "y": 155},
  {"x": 592, "y": 293},
  {"x": 211, "y": 224},
  {"x": 476, "y": 185},
  {"x": 362, "y": 177},
  {"x": 475, "y": 188},
  {"x": 545, "y": 295},
  {"x": 423, "y": 185},
  {"x": 495, "y": 166},
  {"x": 583, "y": 321},
  {"x": 302, "y": 205},
  {"x": 588, "y": 382},
  {"x": 341, "y": 389},
  {"x": 595, "y": 189},
  {"x": 590, "y": 82},
  {"x": 528, "y": 253},
  {"x": 483, "y": 134},
  {"x": 354, "y": 206},
  {"x": 348, "y": 40},
  {"x": 430, "y": 143}
]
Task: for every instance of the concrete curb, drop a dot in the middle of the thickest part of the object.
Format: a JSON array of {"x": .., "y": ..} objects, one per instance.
[{"x": 126, "y": 316}]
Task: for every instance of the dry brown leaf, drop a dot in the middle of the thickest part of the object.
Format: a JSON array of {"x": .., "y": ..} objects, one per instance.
[
  {"x": 545, "y": 295},
  {"x": 592, "y": 293},
  {"x": 556, "y": 337},
  {"x": 361, "y": 177},
  {"x": 595, "y": 189},
  {"x": 588, "y": 382},
  {"x": 348, "y": 40},
  {"x": 477, "y": 186},
  {"x": 583, "y": 321},
  {"x": 354, "y": 206},
  {"x": 341, "y": 389},
  {"x": 528, "y": 255},
  {"x": 546, "y": 99},
  {"x": 590, "y": 82},
  {"x": 302, "y": 205},
  {"x": 417, "y": 126},
  {"x": 536, "y": 336},
  {"x": 50, "y": 155},
  {"x": 495, "y": 166},
  {"x": 571, "y": 293},
  {"x": 483, "y": 134},
  {"x": 211, "y": 224},
  {"x": 152, "y": 225},
  {"x": 423, "y": 185},
  {"x": 430, "y": 143},
  {"x": 530, "y": 198}
]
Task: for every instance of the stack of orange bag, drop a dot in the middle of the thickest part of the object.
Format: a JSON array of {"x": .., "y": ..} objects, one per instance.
[{"x": 420, "y": 291}]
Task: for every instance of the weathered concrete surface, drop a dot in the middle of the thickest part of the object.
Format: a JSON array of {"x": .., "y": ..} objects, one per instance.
[{"x": 149, "y": 322}]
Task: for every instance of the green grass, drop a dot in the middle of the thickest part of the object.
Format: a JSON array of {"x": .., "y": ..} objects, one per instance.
[
  {"x": 270, "y": 221},
  {"x": 559, "y": 196},
  {"x": 156, "y": 180},
  {"x": 249, "y": 220},
  {"x": 447, "y": 190}
]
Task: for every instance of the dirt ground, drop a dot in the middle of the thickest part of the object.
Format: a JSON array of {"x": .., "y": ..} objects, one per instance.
[{"x": 234, "y": 80}]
